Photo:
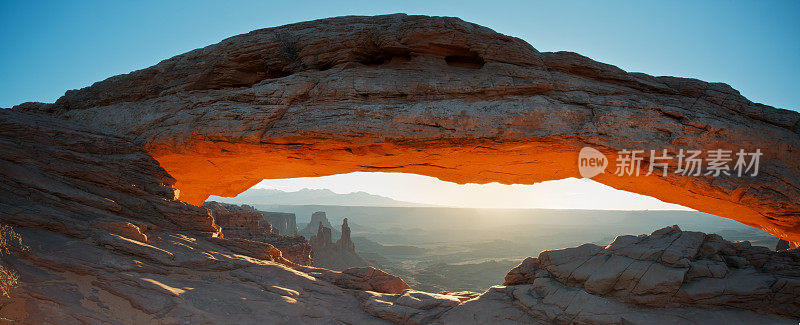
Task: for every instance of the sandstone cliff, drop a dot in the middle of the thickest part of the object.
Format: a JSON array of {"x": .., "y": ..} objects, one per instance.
[
  {"x": 238, "y": 221},
  {"x": 282, "y": 223},
  {"x": 248, "y": 223}
]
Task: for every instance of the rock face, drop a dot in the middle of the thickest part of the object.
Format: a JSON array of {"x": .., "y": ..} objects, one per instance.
[
  {"x": 318, "y": 219},
  {"x": 668, "y": 277},
  {"x": 337, "y": 255},
  {"x": 83, "y": 183},
  {"x": 108, "y": 243},
  {"x": 282, "y": 223},
  {"x": 238, "y": 221},
  {"x": 668, "y": 269},
  {"x": 245, "y": 222},
  {"x": 440, "y": 97},
  {"x": 781, "y": 245}
]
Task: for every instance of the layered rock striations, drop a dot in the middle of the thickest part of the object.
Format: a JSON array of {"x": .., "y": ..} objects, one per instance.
[
  {"x": 337, "y": 255},
  {"x": 84, "y": 183},
  {"x": 238, "y": 220},
  {"x": 435, "y": 96},
  {"x": 248, "y": 223}
]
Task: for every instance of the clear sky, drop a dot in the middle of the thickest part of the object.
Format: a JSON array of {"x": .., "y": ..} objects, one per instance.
[{"x": 51, "y": 46}]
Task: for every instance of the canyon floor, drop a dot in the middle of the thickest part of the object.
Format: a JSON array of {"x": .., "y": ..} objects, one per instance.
[{"x": 456, "y": 249}]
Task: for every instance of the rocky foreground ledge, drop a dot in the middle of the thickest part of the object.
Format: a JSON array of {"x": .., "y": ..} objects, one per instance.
[{"x": 106, "y": 242}]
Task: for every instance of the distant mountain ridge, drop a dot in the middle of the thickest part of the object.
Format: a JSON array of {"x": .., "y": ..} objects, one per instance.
[{"x": 313, "y": 197}]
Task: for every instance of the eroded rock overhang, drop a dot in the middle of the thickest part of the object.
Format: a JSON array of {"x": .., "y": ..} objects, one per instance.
[{"x": 439, "y": 97}]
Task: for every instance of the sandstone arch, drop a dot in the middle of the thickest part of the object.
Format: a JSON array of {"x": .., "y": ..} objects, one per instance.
[{"x": 439, "y": 97}]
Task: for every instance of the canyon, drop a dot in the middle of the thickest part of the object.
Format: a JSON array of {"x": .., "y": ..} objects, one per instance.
[
  {"x": 105, "y": 185},
  {"x": 248, "y": 223}
]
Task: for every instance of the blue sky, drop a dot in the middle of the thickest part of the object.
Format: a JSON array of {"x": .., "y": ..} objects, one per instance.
[{"x": 49, "y": 47}]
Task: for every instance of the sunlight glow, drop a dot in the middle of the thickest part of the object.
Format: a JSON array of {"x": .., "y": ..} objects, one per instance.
[{"x": 570, "y": 193}]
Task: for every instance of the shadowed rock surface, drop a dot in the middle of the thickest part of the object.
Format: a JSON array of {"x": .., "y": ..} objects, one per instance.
[
  {"x": 435, "y": 96},
  {"x": 108, "y": 243}
]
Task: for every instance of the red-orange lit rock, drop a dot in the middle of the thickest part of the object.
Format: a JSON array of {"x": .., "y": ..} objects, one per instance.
[{"x": 439, "y": 97}]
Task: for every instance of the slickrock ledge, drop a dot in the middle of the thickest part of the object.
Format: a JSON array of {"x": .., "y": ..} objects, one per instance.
[
  {"x": 670, "y": 268},
  {"x": 667, "y": 277},
  {"x": 434, "y": 96}
]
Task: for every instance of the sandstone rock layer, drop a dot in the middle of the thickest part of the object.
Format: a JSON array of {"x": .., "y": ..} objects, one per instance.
[
  {"x": 246, "y": 222},
  {"x": 440, "y": 97}
]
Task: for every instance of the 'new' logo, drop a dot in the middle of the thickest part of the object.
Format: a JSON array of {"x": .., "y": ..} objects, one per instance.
[{"x": 591, "y": 162}]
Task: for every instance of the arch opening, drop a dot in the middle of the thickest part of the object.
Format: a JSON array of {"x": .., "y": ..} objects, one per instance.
[
  {"x": 227, "y": 169},
  {"x": 441, "y": 236}
]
